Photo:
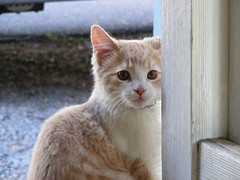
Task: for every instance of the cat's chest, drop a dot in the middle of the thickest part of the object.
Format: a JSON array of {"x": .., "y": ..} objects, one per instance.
[{"x": 134, "y": 134}]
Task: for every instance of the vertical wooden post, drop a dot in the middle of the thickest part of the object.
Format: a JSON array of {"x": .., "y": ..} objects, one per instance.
[
  {"x": 176, "y": 89},
  {"x": 194, "y": 81},
  {"x": 209, "y": 72}
]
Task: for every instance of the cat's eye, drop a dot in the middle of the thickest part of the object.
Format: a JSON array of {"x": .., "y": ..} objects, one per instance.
[
  {"x": 123, "y": 75},
  {"x": 152, "y": 74}
]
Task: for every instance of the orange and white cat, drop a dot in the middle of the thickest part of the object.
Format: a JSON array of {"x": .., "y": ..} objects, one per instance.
[{"x": 117, "y": 133}]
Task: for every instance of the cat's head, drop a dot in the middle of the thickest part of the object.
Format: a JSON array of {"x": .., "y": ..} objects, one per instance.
[{"x": 126, "y": 72}]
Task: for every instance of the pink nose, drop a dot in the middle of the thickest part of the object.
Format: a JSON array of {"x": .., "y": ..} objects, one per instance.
[{"x": 140, "y": 91}]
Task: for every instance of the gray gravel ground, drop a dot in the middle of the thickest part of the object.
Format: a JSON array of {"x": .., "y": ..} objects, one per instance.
[{"x": 22, "y": 112}]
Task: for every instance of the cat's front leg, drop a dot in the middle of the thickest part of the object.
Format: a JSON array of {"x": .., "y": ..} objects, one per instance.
[
  {"x": 155, "y": 171},
  {"x": 156, "y": 174},
  {"x": 154, "y": 164}
]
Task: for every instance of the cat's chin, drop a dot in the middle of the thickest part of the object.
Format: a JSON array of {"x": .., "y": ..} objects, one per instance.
[{"x": 139, "y": 103}]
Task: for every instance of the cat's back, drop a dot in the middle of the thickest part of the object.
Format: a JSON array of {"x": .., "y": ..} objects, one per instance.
[
  {"x": 68, "y": 144},
  {"x": 77, "y": 121}
]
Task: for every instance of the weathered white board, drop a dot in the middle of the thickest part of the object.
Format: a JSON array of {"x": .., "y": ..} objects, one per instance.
[
  {"x": 176, "y": 89},
  {"x": 234, "y": 72},
  {"x": 194, "y": 81},
  {"x": 209, "y": 71},
  {"x": 219, "y": 160}
]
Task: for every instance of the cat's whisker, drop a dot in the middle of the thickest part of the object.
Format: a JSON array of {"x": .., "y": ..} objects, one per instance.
[
  {"x": 114, "y": 105},
  {"x": 113, "y": 100},
  {"x": 120, "y": 103},
  {"x": 112, "y": 108}
]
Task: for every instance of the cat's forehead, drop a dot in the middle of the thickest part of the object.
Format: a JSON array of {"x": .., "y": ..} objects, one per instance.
[
  {"x": 134, "y": 49},
  {"x": 138, "y": 52}
]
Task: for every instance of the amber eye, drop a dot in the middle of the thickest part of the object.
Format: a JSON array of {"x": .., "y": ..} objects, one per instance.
[
  {"x": 152, "y": 74},
  {"x": 123, "y": 75}
]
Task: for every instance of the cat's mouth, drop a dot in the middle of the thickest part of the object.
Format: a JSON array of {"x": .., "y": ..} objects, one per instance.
[{"x": 139, "y": 100}]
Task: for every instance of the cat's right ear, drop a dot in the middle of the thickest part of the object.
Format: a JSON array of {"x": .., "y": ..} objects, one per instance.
[{"x": 103, "y": 44}]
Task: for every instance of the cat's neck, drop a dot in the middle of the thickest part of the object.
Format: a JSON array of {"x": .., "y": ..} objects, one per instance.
[
  {"x": 112, "y": 111},
  {"x": 135, "y": 132}
]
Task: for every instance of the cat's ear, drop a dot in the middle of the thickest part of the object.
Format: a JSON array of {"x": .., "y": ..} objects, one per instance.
[
  {"x": 103, "y": 44},
  {"x": 155, "y": 42}
]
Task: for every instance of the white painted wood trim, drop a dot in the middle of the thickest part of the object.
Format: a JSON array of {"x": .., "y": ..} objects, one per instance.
[
  {"x": 176, "y": 89},
  {"x": 209, "y": 68},
  {"x": 209, "y": 72},
  {"x": 234, "y": 72},
  {"x": 194, "y": 81},
  {"x": 219, "y": 159}
]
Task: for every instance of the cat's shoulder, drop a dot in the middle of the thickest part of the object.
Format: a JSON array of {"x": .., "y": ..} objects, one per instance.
[
  {"x": 76, "y": 112},
  {"x": 76, "y": 118}
]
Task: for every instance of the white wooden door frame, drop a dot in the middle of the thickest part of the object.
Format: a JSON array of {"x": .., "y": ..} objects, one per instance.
[
  {"x": 176, "y": 89},
  {"x": 200, "y": 68}
]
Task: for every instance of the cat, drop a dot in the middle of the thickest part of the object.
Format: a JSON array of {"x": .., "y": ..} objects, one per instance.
[{"x": 116, "y": 134}]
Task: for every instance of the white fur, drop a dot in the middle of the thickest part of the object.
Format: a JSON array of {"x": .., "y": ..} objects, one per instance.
[
  {"x": 138, "y": 134},
  {"x": 135, "y": 131}
]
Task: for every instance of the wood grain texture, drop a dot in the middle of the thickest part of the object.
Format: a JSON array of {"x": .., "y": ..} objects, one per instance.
[
  {"x": 209, "y": 71},
  {"x": 176, "y": 89},
  {"x": 234, "y": 72},
  {"x": 219, "y": 159},
  {"x": 194, "y": 81}
]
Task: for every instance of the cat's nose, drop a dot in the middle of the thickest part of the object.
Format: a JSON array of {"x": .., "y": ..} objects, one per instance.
[{"x": 140, "y": 91}]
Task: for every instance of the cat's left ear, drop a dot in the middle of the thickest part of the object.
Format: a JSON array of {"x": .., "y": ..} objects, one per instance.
[
  {"x": 155, "y": 42},
  {"x": 103, "y": 44}
]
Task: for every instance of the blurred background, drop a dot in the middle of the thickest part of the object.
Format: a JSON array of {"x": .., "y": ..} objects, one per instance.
[{"x": 45, "y": 63}]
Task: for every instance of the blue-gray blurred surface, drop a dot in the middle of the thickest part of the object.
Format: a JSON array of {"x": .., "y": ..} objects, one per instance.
[
  {"x": 157, "y": 18},
  {"x": 76, "y": 17},
  {"x": 23, "y": 110},
  {"x": 21, "y": 115}
]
